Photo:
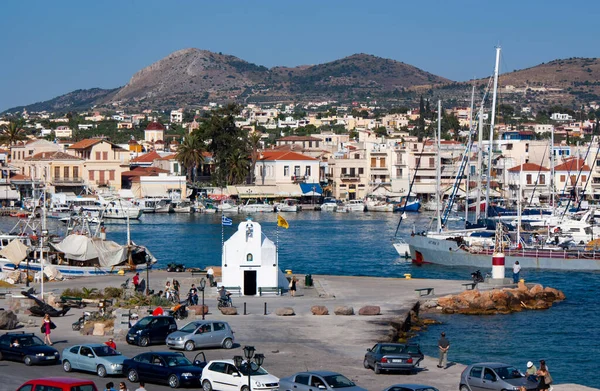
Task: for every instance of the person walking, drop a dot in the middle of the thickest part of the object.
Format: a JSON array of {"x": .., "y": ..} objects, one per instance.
[
  {"x": 443, "y": 346},
  {"x": 544, "y": 376},
  {"x": 142, "y": 387},
  {"x": 210, "y": 274},
  {"x": 136, "y": 282},
  {"x": 47, "y": 325},
  {"x": 293, "y": 286},
  {"x": 516, "y": 271}
]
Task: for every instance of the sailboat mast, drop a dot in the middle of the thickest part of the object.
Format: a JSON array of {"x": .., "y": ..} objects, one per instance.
[
  {"x": 44, "y": 232},
  {"x": 468, "y": 156},
  {"x": 492, "y": 122},
  {"x": 438, "y": 170},
  {"x": 552, "y": 170},
  {"x": 479, "y": 165}
]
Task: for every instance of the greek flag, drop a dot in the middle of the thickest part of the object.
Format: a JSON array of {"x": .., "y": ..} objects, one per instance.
[{"x": 226, "y": 220}]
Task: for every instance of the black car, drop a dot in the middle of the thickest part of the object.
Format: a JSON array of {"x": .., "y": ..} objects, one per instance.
[
  {"x": 27, "y": 348},
  {"x": 393, "y": 356},
  {"x": 151, "y": 330},
  {"x": 172, "y": 368}
]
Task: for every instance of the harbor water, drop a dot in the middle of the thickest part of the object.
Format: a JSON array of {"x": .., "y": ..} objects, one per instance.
[{"x": 360, "y": 244}]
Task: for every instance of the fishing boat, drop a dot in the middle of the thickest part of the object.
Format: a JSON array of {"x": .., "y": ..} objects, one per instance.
[
  {"x": 164, "y": 206},
  {"x": 183, "y": 207},
  {"x": 408, "y": 204},
  {"x": 227, "y": 206}
]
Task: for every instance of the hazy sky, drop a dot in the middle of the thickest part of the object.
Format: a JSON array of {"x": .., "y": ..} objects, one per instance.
[{"x": 49, "y": 48}]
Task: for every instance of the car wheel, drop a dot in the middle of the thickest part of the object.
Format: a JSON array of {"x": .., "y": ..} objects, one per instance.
[
  {"x": 27, "y": 360},
  {"x": 366, "y": 364},
  {"x": 1, "y": 356},
  {"x": 206, "y": 386},
  {"x": 101, "y": 371},
  {"x": 189, "y": 346},
  {"x": 67, "y": 366},
  {"x": 228, "y": 343},
  {"x": 245, "y": 388},
  {"x": 144, "y": 341},
  {"x": 173, "y": 381},
  {"x": 377, "y": 369},
  {"x": 464, "y": 388},
  {"x": 132, "y": 376}
]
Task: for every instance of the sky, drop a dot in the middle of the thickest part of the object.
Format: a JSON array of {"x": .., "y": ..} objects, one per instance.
[{"x": 48, "y": 48}]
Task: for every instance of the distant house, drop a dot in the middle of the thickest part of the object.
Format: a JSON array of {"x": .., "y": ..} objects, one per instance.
[
  {"x": 104, "y": 161},
  {"x": 154, "y": 132},
  {"x": 63, "y": 132}
]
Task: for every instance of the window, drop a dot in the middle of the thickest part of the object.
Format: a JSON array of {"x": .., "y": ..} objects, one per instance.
[
  {"x": 563, "y": 178},
  {"x": 476, "y": 372},
  {"x": 418, "y": 162},
  {"x": 27, "y": 387},
  {"x": 431, "y": 162},
  {"x": 85, "y": 351},
  {"x": 382, "y": 162},
  {"x": 343, "y": 171},
  {"x": 373, "y": 162},
  {"x": 104, "y": 155},
  {"x": 218, "y": 367},
  {"x": 297, "y": 170},
  {"x": 66, "y": 172},
  {"x": 542, "y": 179},
  {"x": 143, "y": 358},
  {"x": 357, "y": 156},
  {"x": 307, "y": 171},
  {"x": 528, "y": 179},
  {"x": 488, "y": 374},
  {"x": 302, "y": 379},
  {"x": 111, "y": 175},
  {"x": 399, "y": 172},
  {"x": 249, "y": 257},
  {"x": 310, "y": 144},
  {"x": 218, "y": 326},
  {"x": 75, "y": 172},
  {"x": 361, "y": 170},
  {"x": 91, "y": 175},
  {"x": 56, "y": 172},
  {"x": 97, "y": 155},
  {"x": 74, "y": 349},
  {"x": 286, "y": 170},
  {"x": 176, "y": 168},
  {"x": 583, "y": 178}
]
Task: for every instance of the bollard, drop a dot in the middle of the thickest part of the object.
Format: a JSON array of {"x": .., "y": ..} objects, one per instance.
[
  {"x": 265, "y": 307},
  {"x": 244, "y": 308}
]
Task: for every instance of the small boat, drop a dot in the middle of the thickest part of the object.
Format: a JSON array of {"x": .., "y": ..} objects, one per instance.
[
  {"x": 59, "y": 211},
  {"x": 183, "y": 207},
  {"x": 412, "y": 205},
  {"x": 402, "y": 247},
  {"x": 227, "y": 206},
  {"x": 147, "y": 205},
  {"x": 288, "y": 205},
  {"x": 381, "y": 207},
  {"x": 329, "y": 204},
  {"x": 254, "y": 206},
  {"x": 164, "y": 206},
  {"x": 355, "y": 206}
]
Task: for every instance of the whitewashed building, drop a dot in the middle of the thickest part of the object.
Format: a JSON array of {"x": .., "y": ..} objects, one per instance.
[{"x": 249, "y": 261}]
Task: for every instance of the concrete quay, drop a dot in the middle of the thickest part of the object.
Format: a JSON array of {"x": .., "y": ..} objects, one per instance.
[{"x": 290, "y": 344}]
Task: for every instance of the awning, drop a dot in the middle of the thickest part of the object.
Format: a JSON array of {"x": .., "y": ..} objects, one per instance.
[
  {"x": 310, "y": 189},
  {"x": 257, "y": 191},
  {"x": 289, "y": 190}
]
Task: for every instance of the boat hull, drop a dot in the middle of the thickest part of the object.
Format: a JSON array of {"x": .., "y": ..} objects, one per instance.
[
  {"x": 75, "y": 271},
  {"x": 448, "y": 253}
]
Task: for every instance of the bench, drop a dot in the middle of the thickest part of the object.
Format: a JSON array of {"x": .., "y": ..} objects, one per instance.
[
  {"x": 198, "y": 273},
  {"x": 234, "y": 289},
  {"x": 72, "y": 301},
  {"x": 3, "y": 294},
  {"x": 424, "y": 291},
  {"x": 469, "y": 285},
  {"x": 270, "y": 289}
]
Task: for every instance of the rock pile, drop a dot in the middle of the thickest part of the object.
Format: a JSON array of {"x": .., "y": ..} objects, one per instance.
[{"x": 500, "y": 301}]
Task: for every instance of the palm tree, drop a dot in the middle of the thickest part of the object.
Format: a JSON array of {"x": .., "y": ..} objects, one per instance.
[
  {"x": 238, "y": 165},
  {"x": 12, "y": 133},
  {"x": 189, "y": 154},
  {"x": 254, "y": 143}
]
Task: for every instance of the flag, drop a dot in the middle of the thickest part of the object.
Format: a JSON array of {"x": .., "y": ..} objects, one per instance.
[
  {"x": 226, "y": 221},
  {"x": 281, "y": 222}
]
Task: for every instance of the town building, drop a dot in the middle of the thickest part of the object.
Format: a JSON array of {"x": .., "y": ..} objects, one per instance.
[{"x": 104, "y": 162}]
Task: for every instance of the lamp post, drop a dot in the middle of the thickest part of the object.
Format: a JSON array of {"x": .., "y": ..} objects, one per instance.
[
  {"x": 249, "y": 354},
  {"x": 202, "y": 286},
  {"x": 148, "y": 264}
]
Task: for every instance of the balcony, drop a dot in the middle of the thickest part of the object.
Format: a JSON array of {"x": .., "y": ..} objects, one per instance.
[
  {"x": 299, "y": 178},
  {"x": 350, "y": 177},
  {"x": 67, "y": 181},
  {"x": 378, "y": 168}
]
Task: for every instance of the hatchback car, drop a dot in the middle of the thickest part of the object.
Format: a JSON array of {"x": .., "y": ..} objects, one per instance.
[
  {"x": 223, "y": 375},
  {"x": 58, "y": 384},
  {"x": 492, "y": 376},
  {"x": 201, "y": 334},
  {"x": 172, "y": 368},
  {"x": 410, "y": 387},
  {"x": 393, "y": 357},
  {"x": 27, "y": 348},
  {"x": 94, "y": 357},
  {"x": 151, "y": 330},
  {"x": 317, "y": 380}
]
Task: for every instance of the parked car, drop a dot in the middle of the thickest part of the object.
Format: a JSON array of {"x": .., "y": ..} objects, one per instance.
[
  {"x": 317, "y": 380},
  {"x": 410, "y": 387},
  {"x": 223, "y": 375},
  {"x": 94, "y": 357},
  {"x": 151, "y": 330},
  {"x": 30, "y": 350},
  {"x": 202, "y": 334},
  {"x": 491, "y": 376},
  {"x": 393, "y": 357},
  {"x": 172, "y": 368},
  {"x": 58, "y": 384}
]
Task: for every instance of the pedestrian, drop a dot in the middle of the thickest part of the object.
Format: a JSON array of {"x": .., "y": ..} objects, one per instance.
[
  {"x": 210, "y": 274},
  {"x": 136, "y": 281},
  {"x": 110, "y": 386},
  {"x": 516, "y": 271},
  {"x": 111, "y": 343},
  {"x": 544, "y": 377},
  {"x": 443, "y": 346},
  {"x": 193, "y": 295},
  {"x": 47, "y": 325},
  {"x": 142, "y": 387},
  {"x": 167, "y": 289},
  {"x": 123, "y": 386},
  {"x": 293, "y": 286},
  {"x": 531, "y": 372}
]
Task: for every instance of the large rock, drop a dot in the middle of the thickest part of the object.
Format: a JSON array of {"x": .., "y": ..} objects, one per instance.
[
  {"x": 319, "y": 310},
  {"x": 343, "y": 310},
  {"x": 285, "y": 311},
  {"x": 370, "y": 310},
  {"x": 98, "y": 329},
  {"x": 522, "y": 287},
  {"x": 198, "y": 309},
  {"x": 229, "y": 310},
  {"x": 537, "y": 289},
  {"x": 8, "y": 320},
  {"x": 446, "y": 301}
]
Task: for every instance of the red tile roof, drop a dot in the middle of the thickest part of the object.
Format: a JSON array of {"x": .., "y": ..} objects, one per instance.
[
  {"x": 90, "y": 142},
  {"x": 47, "y": 156},
  {"x": 283, "y": 155},
  {"x": 573, "y": 165},
  {"x": 147, "y": 157},
  {"x": 143, "y": 171},
  {"x": 528, "y": 167},
  {"x": 155, "y": 126}
]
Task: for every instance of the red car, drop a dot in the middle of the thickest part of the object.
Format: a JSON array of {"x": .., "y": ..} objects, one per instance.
[{"x": 58, "y": 384}]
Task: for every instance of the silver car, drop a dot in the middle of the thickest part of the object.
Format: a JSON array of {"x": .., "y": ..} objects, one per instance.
[
  {"x": 492, "y": 376},
  {"x": 317, "y": 380},
  {"x": 93, "y": 357},
  {"x": 202, "y": 334}
]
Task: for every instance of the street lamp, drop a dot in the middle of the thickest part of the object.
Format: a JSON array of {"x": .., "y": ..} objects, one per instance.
[
  {"x": 202, "y": 286},
  {"x": 148, "y": 264},
  {"x": 249, "y": 353}
]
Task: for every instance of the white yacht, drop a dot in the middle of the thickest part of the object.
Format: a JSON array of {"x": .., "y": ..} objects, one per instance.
[
  {"x": 288, "y": 205},
  {"x": 355, "y": 206},
  {"x": 329, "y": 204},
  {"x": 254, "y": 206}
]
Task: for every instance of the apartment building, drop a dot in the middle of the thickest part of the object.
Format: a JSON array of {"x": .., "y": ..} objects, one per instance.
[
  {"x": 532, "y": 179},
  {"x": 285, "y": 167},
  {"x": 19, "y": 152},
  {"x": 104, "y": 162},
  {"x": 348, "y": 174}
]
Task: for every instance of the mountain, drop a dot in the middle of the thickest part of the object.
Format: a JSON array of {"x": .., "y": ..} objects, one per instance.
[
  {"x": 558, "y": 73},
  {"x": 76, "y": 100}
]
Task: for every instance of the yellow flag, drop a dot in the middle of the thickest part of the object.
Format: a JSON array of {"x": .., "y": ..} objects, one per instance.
[{"x": 282, "y": 222}]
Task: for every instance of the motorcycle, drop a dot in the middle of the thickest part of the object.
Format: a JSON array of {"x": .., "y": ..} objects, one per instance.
[
  {"x": 224, "y": 302},
  {"x": 78, "y": 325},
  {"x": 477, "y": 277},
  {"x": 180, "y": 310}
]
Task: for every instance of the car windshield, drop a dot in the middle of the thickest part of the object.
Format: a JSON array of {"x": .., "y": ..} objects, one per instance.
[
  {"x": 143, "y": 322},
  {"x": 255, "y": 371},
  {"x": 103, "y": 351},
  {"x": 30, "y": 341},
  {"x": 189, "y": 328},
  {"x": 177, "y": 361},
  {"x": 391, "y": 349},
  {"x": 427, "y": 389},
  {"x": 338, "y": 381},
  {"x": 508, "y": 373}
]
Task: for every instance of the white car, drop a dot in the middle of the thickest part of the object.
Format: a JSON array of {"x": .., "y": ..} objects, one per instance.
[{"x": 223, "y": 375}]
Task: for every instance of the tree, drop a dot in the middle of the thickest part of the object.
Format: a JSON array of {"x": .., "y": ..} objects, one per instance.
[
  {"x": 237, "y": 161},
  {"x": 421, "y": 125},
  {"x": 254, "y": 143},
  {"x": 12, "y": 133},
  {"x": 189, "y": 154}
]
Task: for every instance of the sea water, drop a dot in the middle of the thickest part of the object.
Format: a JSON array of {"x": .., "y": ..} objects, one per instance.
[{"x": 361, "y": 244}]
